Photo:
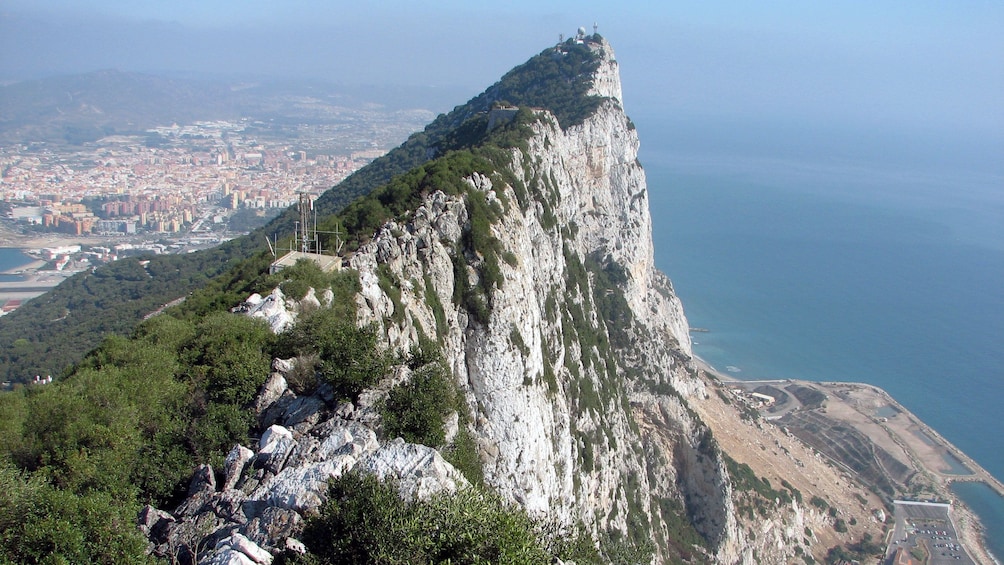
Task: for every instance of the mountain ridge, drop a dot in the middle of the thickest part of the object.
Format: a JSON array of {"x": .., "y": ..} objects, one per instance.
[
  {"x": 501, "y": 298},
  {"x": 50, "y": 339}
]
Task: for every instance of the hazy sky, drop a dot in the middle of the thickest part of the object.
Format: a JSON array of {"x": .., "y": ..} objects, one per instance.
[{"x": 937, "y": 65}]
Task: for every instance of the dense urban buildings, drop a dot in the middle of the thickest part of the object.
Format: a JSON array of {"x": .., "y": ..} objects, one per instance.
[{"x": 175, "y": 179}]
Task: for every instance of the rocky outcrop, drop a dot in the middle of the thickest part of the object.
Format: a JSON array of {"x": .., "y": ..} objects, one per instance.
[
  {"x": 272, "y": 308},
  {"x": 576, "y": 373},
  {"x": 259, "y": 507}
]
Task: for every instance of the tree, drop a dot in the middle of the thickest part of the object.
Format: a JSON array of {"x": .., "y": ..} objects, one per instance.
[{"x": 415, "y": 410}]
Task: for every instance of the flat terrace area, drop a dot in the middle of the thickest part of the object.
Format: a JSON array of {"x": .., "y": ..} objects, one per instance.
[{"x": 327, "y": 263}]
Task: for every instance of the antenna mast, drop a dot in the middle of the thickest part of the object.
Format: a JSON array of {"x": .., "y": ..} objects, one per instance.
[{"x": 306, "y": 205}]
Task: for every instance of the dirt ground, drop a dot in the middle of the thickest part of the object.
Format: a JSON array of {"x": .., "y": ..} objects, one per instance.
[{"x": 776, "y": 455}]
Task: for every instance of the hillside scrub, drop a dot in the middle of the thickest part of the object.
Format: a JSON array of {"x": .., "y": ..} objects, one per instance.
[
  {"x": 415, "y": 410},
  {"x": 364, "y": 521},
  {"x": 136, "y": 416},
  {"x": 43, "y": 524}
]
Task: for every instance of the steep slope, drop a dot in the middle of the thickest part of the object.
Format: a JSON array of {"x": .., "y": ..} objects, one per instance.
[
  {"x": 58, "y": 329},
  {"x": 580, "y": 332},
  {"x": 536, "y": 277},
  {"x": 515, "y": 264}
]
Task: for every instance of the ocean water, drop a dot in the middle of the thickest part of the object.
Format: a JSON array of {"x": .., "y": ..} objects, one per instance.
[
  {"x": 12, "y": 259},
  {"x": 986, "y": 504},
  {"x": 802, "y": 265}
]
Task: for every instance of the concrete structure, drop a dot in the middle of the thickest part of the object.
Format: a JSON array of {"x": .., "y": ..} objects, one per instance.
[{"x": 327, "y": 263}]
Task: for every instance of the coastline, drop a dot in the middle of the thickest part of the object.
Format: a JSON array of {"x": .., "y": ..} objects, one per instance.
[
  {"x": 11, "y": 239},
  {"x": 25, "y": 269},
  {"x": 929, "y": 462},
  {"x": 33, "y": 282}
]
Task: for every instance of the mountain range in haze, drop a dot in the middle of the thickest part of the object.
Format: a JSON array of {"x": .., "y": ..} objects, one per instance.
[{"x": 75, "y": 109}]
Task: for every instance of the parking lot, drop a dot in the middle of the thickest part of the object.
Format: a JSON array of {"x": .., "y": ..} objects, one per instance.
[{"x": 928, "y": 525}]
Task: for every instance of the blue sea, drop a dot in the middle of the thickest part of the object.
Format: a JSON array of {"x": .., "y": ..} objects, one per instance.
[
  {"x": 840, "y": 256},
  {"x": 11, "y": 259}
]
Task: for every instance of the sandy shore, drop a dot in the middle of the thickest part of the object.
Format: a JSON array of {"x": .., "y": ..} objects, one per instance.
[
  {"x": 28, "y": 269},
  {"x": 34, "y": 282}
]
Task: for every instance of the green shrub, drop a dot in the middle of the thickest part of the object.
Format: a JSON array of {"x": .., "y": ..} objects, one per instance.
[
  {"x": 415, "y": 409},
  {"x": 350, "y": 359},
  {"x": 364, "y": 521},
  {"x": 295, "y": 289},
  {"x": 42, "y": 524},
  {"x": 228, "y": 356},
  {"x": 463, "y": 454},
  {"x": 216, "y": 432},
  {"x": 818, "y": 503}
]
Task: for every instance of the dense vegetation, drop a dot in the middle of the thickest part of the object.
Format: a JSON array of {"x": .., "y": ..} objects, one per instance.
[
  {"x": 557, "y": 79},
  {"x": 415, "y": 409},
  {"x": 132, "y": 420},
  {"x": 51, "y": 332}
]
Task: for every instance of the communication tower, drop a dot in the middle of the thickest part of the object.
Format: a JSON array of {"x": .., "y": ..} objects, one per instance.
[
  {"x": 306, "y": 243},
  {"x": 306, "y": 236}
]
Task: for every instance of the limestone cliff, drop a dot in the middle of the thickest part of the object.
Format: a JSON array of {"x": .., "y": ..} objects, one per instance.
[
  {"x": 581, "y": 331},
  {"x": 576, "y": 367}
]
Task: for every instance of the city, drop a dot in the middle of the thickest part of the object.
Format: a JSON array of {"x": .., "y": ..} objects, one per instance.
[{"x": 172, "y": 189}]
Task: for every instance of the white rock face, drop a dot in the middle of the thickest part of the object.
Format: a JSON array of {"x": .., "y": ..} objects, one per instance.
[
  {"x": 548, "y": 381},
  {"x": 420, "y": 471},
  {"x": 607, "y": 80},
  {"x": 234, "y": 465},
  {"x": 271, "y": 308},
  {"x": 226, "y": 556},
  {"x": 565, "y": 376},
  {"x": 302, "y": 488},
  {"x": 239, "y": 549}
]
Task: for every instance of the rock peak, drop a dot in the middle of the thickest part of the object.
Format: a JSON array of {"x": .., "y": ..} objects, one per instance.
[{"x": 607, "y": 79}]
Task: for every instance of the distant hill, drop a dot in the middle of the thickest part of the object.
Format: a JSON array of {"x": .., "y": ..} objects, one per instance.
[{"x": 76, "y": 109}]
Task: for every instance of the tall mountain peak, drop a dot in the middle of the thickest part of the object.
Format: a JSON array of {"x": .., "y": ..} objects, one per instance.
[
  {"x": 524, "y": 250},
  {"x": 494, "y": 321}
]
